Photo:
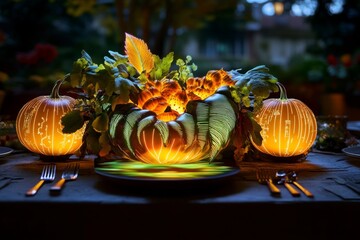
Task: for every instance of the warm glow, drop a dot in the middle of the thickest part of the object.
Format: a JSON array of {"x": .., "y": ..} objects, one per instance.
[
  {"x": 279, "y": 8},
  {"x": 288, "y": 127},
  {"x": 176, "y": 151},
  {"x": 138, "y": 169},
  {"x": 168, "y": 99},
  {"x": 198, "y": 134},
  {"x": 39, "y": 129}
]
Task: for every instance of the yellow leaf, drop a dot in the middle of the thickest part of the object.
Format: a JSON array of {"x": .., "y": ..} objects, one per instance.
[{"x": 138, "y": 53}]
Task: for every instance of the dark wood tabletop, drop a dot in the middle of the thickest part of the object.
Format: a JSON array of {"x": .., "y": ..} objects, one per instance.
[{"x": 94, "y": 207}]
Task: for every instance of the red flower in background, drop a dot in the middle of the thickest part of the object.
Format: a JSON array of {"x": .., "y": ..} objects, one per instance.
[
  {"x": 331, "y": 59},
  {"x": 342, "y": 71},
  {"x": 42, "y": 52},
  {"x": 46, "y": 52}
]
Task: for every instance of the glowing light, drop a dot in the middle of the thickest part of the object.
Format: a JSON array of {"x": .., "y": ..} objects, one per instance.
[
  {"x": 161, "y": 171},
  {"x": 289, "y": 127},
  {"x": 173, "y": 137},
  {"x": 39, "y": 127}
]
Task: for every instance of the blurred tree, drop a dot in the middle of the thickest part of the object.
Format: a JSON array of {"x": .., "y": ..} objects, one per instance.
[
  {"x": 338, "y": 33},
  {"x": 39, "y": 35},
  {"x": 154, "y": 21}
]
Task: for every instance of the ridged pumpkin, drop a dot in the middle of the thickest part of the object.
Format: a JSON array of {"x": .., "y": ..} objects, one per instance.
[
  {"x": 39, "y": 128},
  {"x": 288, "y": 126},
  {"x": 199, "y": 133}
]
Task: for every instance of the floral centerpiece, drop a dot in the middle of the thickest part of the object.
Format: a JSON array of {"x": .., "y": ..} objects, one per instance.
[{"x": 140, "y": 107}]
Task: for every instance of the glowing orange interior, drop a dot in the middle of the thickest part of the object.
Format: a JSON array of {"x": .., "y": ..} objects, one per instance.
[{"x": 168, "y": 99}]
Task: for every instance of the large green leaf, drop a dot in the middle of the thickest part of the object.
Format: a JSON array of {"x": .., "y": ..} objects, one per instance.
[
  {"x": 130, "y": 123},
  {"x": 202, "y": 123},
  {"x": 143, "y": 124},
  {"x": 114, "y": 121},
  {"x": 175, "y": 126},
  {"x": 163, "y": 129},
  {"x": 187, "y": 123},
  {"x": 222, "y": 121}
]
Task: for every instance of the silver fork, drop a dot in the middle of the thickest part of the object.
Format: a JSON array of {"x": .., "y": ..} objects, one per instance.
[
  {"x": 265, "y": 176},
  {"x": 71, "y": 172},
  {"x": 47, "y": 175}
]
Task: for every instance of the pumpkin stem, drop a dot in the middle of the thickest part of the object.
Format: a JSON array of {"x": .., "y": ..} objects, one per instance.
[
  {"x": 56, "y": 88},
  {"x": 283, "y": 95}
]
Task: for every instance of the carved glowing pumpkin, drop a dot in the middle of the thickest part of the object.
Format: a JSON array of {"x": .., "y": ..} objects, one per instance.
[
  {"x": 288, "y": 126},
  {"x": 170, "y": 125},
  {"x": 39, "y": 129}
]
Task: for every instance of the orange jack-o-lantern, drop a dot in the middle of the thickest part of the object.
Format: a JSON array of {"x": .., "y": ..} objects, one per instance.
[
  {"x": 39, "y": 129},
  {"x": 288, "y": 126}
]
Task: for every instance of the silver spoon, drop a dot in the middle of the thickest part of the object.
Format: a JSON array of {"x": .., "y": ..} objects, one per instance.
[
  {"x": 292, "y": 178},
  {"x": 281, "y": 178}
]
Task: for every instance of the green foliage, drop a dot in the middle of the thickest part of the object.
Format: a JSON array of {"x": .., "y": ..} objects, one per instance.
[
  {"x": 103, "y": 87},
  {"x": 256, "y": 82}
]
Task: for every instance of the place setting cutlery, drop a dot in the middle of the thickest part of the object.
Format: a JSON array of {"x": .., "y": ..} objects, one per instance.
[
  {"x": 264, "y": 176},
  {"x": 272, "y": 178},
  {"x": 70, "y": 173},
  {"x": 48, "y": 175}
]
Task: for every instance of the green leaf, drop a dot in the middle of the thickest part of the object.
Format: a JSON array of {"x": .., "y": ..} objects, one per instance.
[
  {"x": 72, "y": 121},
  {"x": 101, "y": 123},
  {"x": 162, "y": 66},
  {"x": 259, "y": 88},
  {"x": 86, "y": 56},
  {"x": 186, "y": 121},
  {"x": 143, "y": 124},
  {"x": 123, "y": 86},
  {"x": 163, "y": 129},
  {"x": 222, "y": 121},
  {"x": 202, "y": 123},
  {"x": 130, "y": 123},
  {"x": 114, "y": 121},
  {"x": 92, "y": 141},
  {"x": 118, "y": 57},
  {"x": 176, "y": 127},
  {"x": 104, "y": 143},
  {"x": 255, "y": 133},
  {"x": 257, "y": 81},
  {"x": 76, "y": 72}
]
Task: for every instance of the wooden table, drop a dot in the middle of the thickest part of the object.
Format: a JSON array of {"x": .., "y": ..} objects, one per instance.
[{"x": 94, "y": 208}]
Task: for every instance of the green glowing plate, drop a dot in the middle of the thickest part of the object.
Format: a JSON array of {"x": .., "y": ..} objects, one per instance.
[{"x": 142, "y": 174}]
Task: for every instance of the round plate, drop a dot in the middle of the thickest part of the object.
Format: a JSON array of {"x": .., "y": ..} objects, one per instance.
[
  {"x": 169, "y": 176},
  {"x": 353, "y": 125},
  {"x": 5, "y": 151},
  {"x": 352, "y": 151}
]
